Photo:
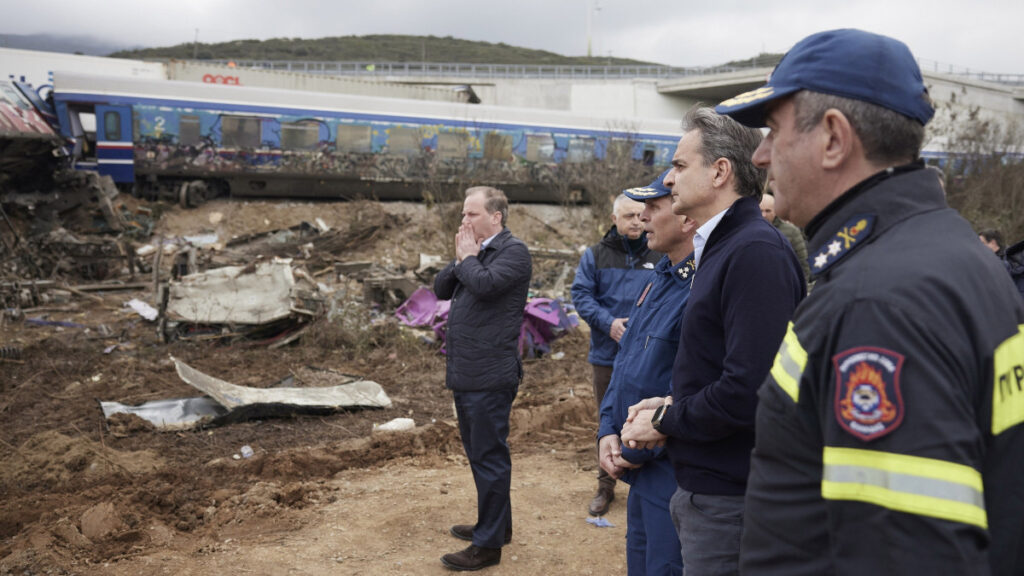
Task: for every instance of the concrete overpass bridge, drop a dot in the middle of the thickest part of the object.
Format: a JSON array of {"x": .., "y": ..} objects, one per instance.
[{"x": 621, "y": 91}]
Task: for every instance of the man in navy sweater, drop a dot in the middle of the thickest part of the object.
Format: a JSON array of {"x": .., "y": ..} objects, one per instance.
[{"x": 747, "y": 284}]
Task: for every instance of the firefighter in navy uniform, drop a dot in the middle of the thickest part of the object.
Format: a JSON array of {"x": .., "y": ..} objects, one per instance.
[{"x": 889, "y": 436}]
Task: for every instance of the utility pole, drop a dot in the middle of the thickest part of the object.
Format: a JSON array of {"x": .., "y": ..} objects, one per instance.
[
  {"x": 590, "y": 10},
  {"x": 195, "y": 46}
]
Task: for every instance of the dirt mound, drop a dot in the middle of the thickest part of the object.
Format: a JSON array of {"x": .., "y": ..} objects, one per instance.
[
  {"x": 50, "y": 459},
  {"x": 558, "y": 421}
]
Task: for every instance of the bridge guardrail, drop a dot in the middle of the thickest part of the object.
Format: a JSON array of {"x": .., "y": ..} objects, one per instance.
[{"x": 471, "y": 70}]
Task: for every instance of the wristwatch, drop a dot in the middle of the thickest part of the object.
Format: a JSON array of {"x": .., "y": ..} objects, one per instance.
[{"x": 659, "y": 413}]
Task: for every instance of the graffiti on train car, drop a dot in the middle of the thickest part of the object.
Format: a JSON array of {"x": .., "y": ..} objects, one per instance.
[{"x": 200, "y": 142}]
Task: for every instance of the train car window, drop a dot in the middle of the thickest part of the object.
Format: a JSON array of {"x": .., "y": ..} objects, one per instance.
[
  {"x": 188, "y": 130},
  {"x": 452, "y": 145},
  {"x": 648, "y": 157},
  {"x": 112, "y": 126},
  {"x": 403, "y": 140},
  {"x": 498, "y": 146},
  {"x": 239, "y": 132},
  {"x": 540, "y": 148},
  {"x": 619, "y": 151},
  {"x": 580, "y": 150},
  {"x": 353, "y": 138},
  {"x": 303, "y": 135},
  {"x": 13, "y": 97}
]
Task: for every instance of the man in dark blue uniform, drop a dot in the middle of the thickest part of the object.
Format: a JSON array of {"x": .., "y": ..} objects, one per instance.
[
  {"x": 610, "y": 275},
  {"x": 889, "y": 436},
  {"x": 643, "y": 368},
  {"x": 487, "y": 284}
]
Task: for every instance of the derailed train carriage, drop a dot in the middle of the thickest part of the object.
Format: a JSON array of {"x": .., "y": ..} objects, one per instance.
[
  {"x": 190, "y": 141},
  {"x": 29, "y": 146}
]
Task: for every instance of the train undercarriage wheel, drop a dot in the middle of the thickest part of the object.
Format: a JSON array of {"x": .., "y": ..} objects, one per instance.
[{"x": 192, "y": 194}]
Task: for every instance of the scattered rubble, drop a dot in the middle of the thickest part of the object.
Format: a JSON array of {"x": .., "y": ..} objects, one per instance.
[{"x": 181, "y": 494}]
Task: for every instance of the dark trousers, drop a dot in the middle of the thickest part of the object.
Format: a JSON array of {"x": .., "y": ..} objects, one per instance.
[
  {"x": 602, "y": 377},
  {"x": 652, "y": 547},
  {"x": 483, "y": 424}
]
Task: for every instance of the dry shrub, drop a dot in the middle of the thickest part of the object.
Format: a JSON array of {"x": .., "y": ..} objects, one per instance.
[
  {"x": 355, "y": 330},
  {"x": 984, "y": 167}
]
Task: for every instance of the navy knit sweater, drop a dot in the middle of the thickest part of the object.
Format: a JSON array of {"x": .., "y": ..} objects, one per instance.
[{"x": 743, "y": 295}]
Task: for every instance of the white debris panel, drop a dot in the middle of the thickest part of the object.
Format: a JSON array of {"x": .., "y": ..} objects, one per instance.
[
  {"x": 177, "y": 414},
  {"x": 255, "y": 294},
  {"x": 225, "y": 402},
  {"x": 361, "y": 394}
]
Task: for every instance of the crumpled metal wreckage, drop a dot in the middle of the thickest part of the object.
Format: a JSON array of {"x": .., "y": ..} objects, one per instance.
[
  {"x": 225, "y": 402},
  {"x": 266, "y": 300}
]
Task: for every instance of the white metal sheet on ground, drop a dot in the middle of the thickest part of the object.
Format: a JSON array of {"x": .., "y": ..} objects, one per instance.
[
  {"x": 178, "y": 414},
  {"x": 361, "y": 394}
]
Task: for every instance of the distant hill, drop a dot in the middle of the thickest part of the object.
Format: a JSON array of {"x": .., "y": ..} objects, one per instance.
[
  {"x": 88, "y": 45},
  {"x": 380, "y": 48},
  {"x": 764, "y": 59}
]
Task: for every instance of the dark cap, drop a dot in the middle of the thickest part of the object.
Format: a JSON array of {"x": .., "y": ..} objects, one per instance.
[
  {"x": 655, "y": 189},
  {"x": 848, "y": 63}
]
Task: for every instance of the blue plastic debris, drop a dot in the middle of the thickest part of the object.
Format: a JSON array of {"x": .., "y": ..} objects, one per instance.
[{"x": 600, "y": 522}]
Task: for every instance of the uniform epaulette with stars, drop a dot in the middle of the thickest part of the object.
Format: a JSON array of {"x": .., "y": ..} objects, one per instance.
[
  {"x": 855, "y": 231},
  {"x": 686, "y": 270}
]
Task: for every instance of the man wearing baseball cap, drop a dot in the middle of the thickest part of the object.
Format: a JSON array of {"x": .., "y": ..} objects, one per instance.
[
  {"x": 889, "y": 437},
  {"x": 609, "y": 276},
  {"x": 642, "y": 369}
]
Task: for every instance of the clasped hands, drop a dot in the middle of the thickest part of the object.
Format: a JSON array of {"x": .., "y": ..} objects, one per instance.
[
  {"x": 466, "y": 244},
  {"x": 637, "y": 433}
]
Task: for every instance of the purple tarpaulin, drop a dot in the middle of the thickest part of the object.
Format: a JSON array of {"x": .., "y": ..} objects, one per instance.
[{"x": 544, "y": 320}]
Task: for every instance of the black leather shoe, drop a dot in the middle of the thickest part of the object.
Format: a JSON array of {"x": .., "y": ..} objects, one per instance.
[
  {"x": 472, "y": 558},
  {"x": 602, "y": 500},
  {"x": 465, "y": 532}
]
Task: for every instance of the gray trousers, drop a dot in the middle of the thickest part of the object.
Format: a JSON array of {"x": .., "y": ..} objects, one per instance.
[{"x": 709, "y": 528}]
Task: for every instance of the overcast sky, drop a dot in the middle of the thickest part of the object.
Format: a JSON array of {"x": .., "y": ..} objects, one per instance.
[{"x": 981, "y": 35}]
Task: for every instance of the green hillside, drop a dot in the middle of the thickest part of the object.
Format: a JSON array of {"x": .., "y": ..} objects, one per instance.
[{"x": 380, "y": 48}]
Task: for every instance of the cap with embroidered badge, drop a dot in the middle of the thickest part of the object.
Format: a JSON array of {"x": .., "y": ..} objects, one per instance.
[
  {"x": 848, "y": 63},
  {"x": 655, "y": 189}
]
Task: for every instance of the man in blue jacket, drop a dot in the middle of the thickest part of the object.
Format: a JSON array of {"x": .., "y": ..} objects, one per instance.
[
  {"x": 610, "y": 275},
  {"x": 747, "y": 284},
  {"x": 487, "y": 285},
  {"x": 643, "y": 368}
]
